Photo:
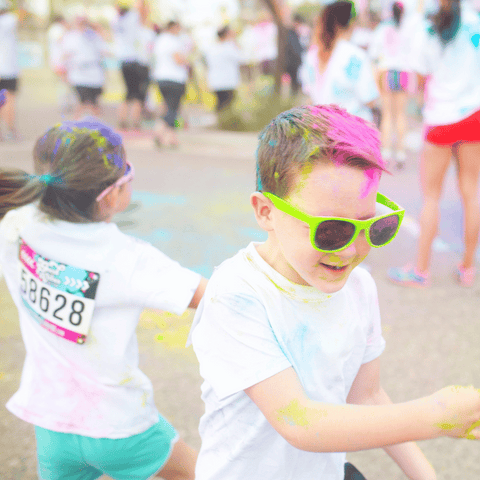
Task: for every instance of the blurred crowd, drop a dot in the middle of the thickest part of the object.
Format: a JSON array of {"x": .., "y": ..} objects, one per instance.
[{"x": 365, "y": 62}]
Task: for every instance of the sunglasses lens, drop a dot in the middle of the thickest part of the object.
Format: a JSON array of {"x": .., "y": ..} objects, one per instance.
[
  {"x": 384, "y": 230},
  {"x": 333, "y": 234}
]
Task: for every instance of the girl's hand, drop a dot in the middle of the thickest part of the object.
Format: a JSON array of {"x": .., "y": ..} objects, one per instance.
[{"x": 457, "y": 412}]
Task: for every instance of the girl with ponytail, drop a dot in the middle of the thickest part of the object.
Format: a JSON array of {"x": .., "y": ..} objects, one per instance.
[
  {"x": 80, "y": 285},
  {"x": 335, "y": 70},
  {"x": 390, "y": 50},
  {"x": 447, "y": 51}
]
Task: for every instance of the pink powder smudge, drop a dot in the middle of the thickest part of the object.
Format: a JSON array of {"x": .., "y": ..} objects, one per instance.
[{"x": 372, "y": 176}]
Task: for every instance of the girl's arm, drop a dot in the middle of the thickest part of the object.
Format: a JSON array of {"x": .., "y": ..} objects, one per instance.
[
  {"x": 319, "y": 427},
  {"x": 366, "y": 390},
  {"x": 197, "y": 296}
]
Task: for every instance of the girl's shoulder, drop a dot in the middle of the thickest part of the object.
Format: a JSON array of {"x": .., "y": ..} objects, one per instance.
[{"x": 15, "y": 221}]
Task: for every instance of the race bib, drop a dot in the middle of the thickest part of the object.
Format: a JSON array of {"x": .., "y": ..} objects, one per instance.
[{"x": 60, "y": 297}]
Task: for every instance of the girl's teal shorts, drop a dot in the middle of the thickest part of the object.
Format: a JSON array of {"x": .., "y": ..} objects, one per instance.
[{"x": 65, "y": 456}]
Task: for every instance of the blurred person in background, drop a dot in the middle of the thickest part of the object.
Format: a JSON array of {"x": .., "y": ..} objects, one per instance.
[
  {"x": 247, "y": 42},
  {"x": 126, "y": 29},
  {"x": 9, "y": 69},
  {"x": 293, "y": 53},
  {"x": 223, "y": 62},
  {"x": 170, "y": 72},
  {"x": 390, "y": 51},
  {"x": 266, "y": 44},
  {"x": 55, "y": 33},
  {"x": 335, "y": 70},
  {"x": 84, "y": 52},
  {"x": 447, "y": 51}
]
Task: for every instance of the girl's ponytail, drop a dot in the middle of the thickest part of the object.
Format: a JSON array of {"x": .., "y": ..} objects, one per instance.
[
  {"x": 18, "y": 188},
  {"x": 397, "y": 11},
  {"x": 75, "y": 162},
  {"x": 336, "y": 16}
]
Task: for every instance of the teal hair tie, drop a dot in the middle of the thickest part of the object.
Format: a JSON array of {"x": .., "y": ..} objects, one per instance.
[{"x": 47, "y": 179}]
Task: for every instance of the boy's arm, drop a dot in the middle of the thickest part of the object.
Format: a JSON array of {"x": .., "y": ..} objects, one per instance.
[
  {"x": 366, "y": 390},
  {"x": 320, "y": 427}
]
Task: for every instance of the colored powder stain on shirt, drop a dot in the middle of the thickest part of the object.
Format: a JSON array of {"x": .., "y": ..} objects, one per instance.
[
  {"x": 353, "y": 68},
  {"x": 126, "y": 380}
]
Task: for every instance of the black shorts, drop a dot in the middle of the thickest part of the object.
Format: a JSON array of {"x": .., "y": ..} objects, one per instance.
[
  {"x": 88, "y": 95},
  {"x": 137, "y": 78},
  {"x": 10, "y": 84}
]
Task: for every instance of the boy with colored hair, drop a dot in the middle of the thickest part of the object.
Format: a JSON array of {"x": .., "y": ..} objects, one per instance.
[{"x": 288, "y": 334}]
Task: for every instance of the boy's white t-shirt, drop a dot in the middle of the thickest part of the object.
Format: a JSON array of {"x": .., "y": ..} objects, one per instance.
[
  {"x": 94, "y": 389},
  {"x": 8, "y": 46},
  {"x": 453, "y": 88},
  {"x": 223, "y": 60},
  {"x": 165, "y": 67},
  {"x": 254, "y": 323},
  {"x": 84, "y": 54},
  {"x": 347, "y": 81}
]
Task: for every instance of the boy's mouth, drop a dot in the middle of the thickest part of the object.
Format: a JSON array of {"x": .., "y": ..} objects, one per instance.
[{"x": 335, "y": 268}]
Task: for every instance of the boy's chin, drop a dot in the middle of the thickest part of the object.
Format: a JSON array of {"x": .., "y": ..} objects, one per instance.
[{"x": 329, "y": 285}]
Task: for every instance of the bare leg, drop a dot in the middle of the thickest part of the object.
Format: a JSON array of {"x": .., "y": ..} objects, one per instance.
[
  {"x": 386, "y": 125},
  {"x": 469, "y": 169},
  {"x": 136, "y": 112},
  {"x": 122, "y": 113},
  {"x": 8, "y": 112},
  {"x": 79, "y": 110},
  {"x": 399, "y": 100},
  {"x": 434, "y": 165},
  {"x": 181, "y": 464}
]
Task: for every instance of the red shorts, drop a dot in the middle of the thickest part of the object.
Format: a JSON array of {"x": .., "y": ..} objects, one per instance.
[{"x": 467, "y": 130}]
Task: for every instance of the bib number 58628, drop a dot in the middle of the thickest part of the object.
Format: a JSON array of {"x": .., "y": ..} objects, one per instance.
[{"x": 63, "y": 309}]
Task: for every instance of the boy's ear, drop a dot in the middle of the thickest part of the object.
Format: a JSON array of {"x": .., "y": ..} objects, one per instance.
[{"x": 262, "y": 208}]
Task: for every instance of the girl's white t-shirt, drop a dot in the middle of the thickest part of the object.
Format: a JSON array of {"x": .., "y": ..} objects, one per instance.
[
  {"x": 266, "y": 34},
  {"x": 165, "y": 66},
  {"x": 453, "y": 87},
  {"x": 126, "y": 30},
  {"x": 390, "y": 46},
  {"x": 146, "y": 42},
  {"x": 8, "y": 46},
  {"x": 223, "y": 60},
  {"x": 347, "y": 81},
  {"x": 254, "y": 323},
  {"x": 96, "y": 388},
  {"x": 84, "y": 53},
  {"x": 54, "y": 35}
]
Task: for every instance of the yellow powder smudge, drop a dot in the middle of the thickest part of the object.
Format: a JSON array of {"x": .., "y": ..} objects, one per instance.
[{"x": 293, "y": 414}]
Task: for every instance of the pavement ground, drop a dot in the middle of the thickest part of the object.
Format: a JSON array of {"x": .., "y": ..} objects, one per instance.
[{"x": 193, "y": 204}]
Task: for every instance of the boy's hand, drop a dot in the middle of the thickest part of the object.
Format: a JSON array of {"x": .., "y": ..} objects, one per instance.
[{"x": 457, "y": 410}]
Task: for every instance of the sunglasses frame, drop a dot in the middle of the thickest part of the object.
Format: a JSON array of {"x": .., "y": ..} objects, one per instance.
[
  {"x": 314, "y": 222},
  {"x": 129, "y": 175}
]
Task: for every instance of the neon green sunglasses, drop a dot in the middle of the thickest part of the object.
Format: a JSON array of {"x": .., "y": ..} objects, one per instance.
[{"x": 331, "y": 234}]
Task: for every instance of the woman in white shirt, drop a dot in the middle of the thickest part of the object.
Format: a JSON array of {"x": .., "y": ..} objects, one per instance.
[
  {"x": 389, "y": 50},
  {"x": 9, "y": 69},
  {"x": 448, "y": 52},
  {"x": 335, "y": 70},
  {"x": 171, "y": 74},
  {"x": 84, "y": 52},
  {"x": 223, "y": 61}
]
